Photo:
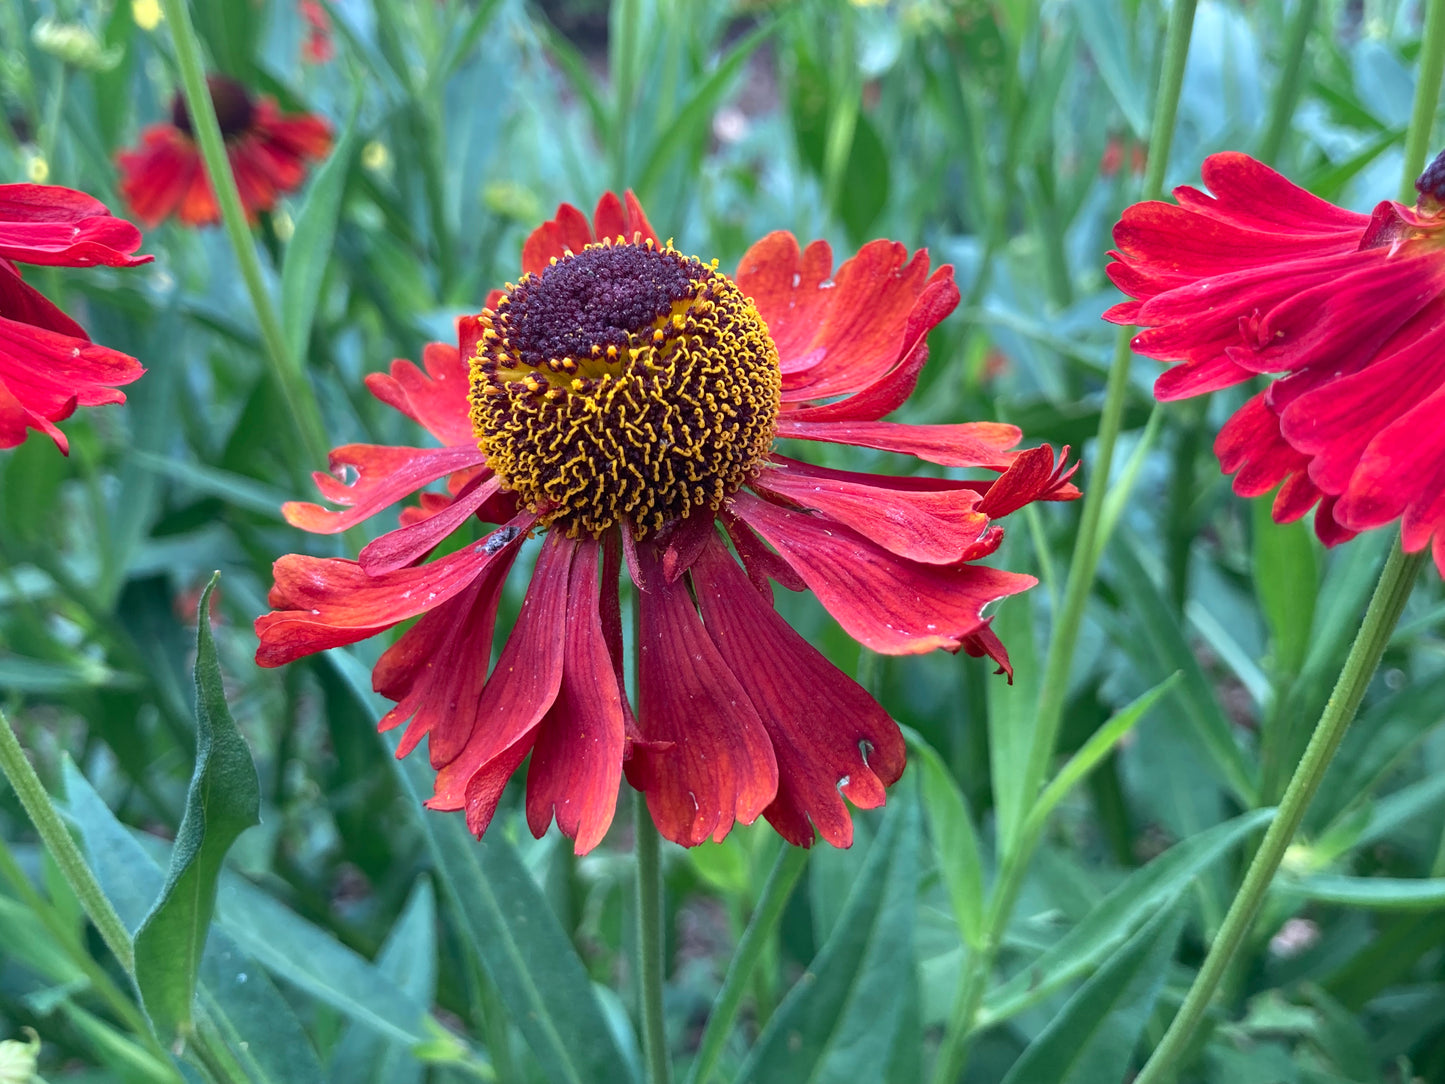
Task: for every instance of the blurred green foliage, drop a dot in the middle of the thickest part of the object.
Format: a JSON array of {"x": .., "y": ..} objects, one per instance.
[{"x": 359, "y": 939}]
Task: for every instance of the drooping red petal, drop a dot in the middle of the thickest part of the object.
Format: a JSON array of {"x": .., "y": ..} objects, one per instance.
[
  {"x": 436, "y": 399},
  {"x": 967, "y": 444},
  {"x": 525, "y": 681},
  {"x": 887, "y": 603},
  {"x": 324, "y": 602},
  {"x": 485, "y": 787},
  {"x": 577, "y": 761},
  {"x": 720, "y": 766},
  {"x": 985, "y": 644},
  {"x": 44, "y": 374},
  {"x": 436, "y": 671},
  {"x": 56, "y": 226},
  {"x": 924, "y": 519},
  {"x": 384, "y": 475},
  {"x": 828, "y": 735}
]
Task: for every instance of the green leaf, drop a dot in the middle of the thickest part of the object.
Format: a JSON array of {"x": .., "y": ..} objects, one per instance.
[
  {"x": 1376, "y": 893},
  {"x": 506, "y": 922},
  {"x": 311, "y": 959},
  {"x": 1286, "y": 580},
  {"x": 409, "y": 960},
  {"x": 1156, "y": 640},
  {"x": 1099, "y": 745},
  {"x": 1103, "y": 25},
  {"x": 235, "y": 994},
  {"x": 1012, "y": 720},
  {"x": 1136, "y": 899},
  {"x": 1093, "y": 1037},
  {"x": 1386, "y": 817},
  {"x": 838, "y": 1023},
  {"x": 223, "y": 801},
  {"x": 955, "y": 840},
  {"x": 303, "y": 271}
]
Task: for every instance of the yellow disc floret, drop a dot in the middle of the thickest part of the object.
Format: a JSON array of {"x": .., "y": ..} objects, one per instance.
[{"x": 624, "y": 384}]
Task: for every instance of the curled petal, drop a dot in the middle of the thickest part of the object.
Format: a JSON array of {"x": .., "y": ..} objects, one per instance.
[
  {"x": 324, "y": 602},
  {"x": 384, "y": 475},
  {"x": 51, "y": 225},
  {"x": 891, "y": 605},
  {"x": 923, "y": 519},
  {"x": 1036, "y": 475}
]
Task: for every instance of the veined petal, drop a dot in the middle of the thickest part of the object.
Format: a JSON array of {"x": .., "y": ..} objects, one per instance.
[
  {"x": 525, "y": 681},
  {"x": 719, "y": 767},
  {"x": 410, "y": 543},
  {"x": 577, "y": 760},
  {"x": 889, "y": 604},
  {"x": 828, "y": 735},
  {"x": 969, "y": 444}
]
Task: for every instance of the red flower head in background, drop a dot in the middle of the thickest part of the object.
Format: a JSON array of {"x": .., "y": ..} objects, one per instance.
[
  {"x": 1345, "y": 311},
  {"x": 48, "y": 365},
  {"x": 268, "y": 152},
  {"x": 625, "y": 399}
]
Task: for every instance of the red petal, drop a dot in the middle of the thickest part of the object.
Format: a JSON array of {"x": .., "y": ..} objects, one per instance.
[
  {"x": 568, "y": 232},
  {"x": 614, "y": 219},
  {"x": 436, "y": 399},
  {"x": 323, "y": 602},
  {"x": 787, "y": 288},
  {"x": 485, "y": 787},
  {"x": 409, "y": 544},
  {"x": 577, "y": 762},
  {"x": 969, "y": 444},
  {"x": 51, "y": 225},
  {"x": 818, "y": 720},
  {"x": 985, "y": 642},
  {"x": 940, "y": 525},
  {"x": 384, "y": 475},
  {"x": 436, "y": 671},
  {"x": 1034, "y": 476},
  {"x": 886, "y": 603},
  {"x": 526, "y": 679},
  {"x": 720, "y": 767}
]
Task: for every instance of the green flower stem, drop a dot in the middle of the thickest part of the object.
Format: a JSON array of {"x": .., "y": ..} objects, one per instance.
[
  {"x": 1088, "y": 547},
  {"x": 650, "y": 942},
  {"x": 290, "y": 377},
  {"x": 779, "y": 886},
  {"x": 1427, "y": 97},
  {"x": 42, "y": 813},
  {"x": 1089, "y": 544},
  {"x": 1286, "y": 91},
  {"x": 1391, "y": 593}
]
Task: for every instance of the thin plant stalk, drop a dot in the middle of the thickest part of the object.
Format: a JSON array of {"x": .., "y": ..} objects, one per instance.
[
  {"x": 776, "y": 890},
  {"x": 1391, "y": 594},
  {"x": 290, "y": 377},
  {"x": 1286, "y": 91},
  {"x": 1089, "y": 544},
  {"x": 651, "y": 940},
  {"x": 1389, "y": 600},
  {"x": 43, "y": 814}
]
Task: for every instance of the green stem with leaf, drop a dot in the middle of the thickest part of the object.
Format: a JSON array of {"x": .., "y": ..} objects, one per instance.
[
  {"x": 1088, "y": 547},
  {"x": 287, "y": 370}
]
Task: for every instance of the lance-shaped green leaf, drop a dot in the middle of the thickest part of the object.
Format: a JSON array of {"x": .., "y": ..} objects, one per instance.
[
  {"x": 838, "y": 1024},
  {"x": 1136, "y": 899},
  {"x": 955, "y": 839},
  {"x": 1093, "y": 1037},
  {"x": 223, "y": 801}
]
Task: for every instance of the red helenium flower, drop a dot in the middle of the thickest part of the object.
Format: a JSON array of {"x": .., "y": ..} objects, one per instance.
[
  {"x": 626, "y": 399},
  {"x": 1346, "y": 311},
  {"x": 268, "y": 152},
  {"x": 48, "y": 365}
]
